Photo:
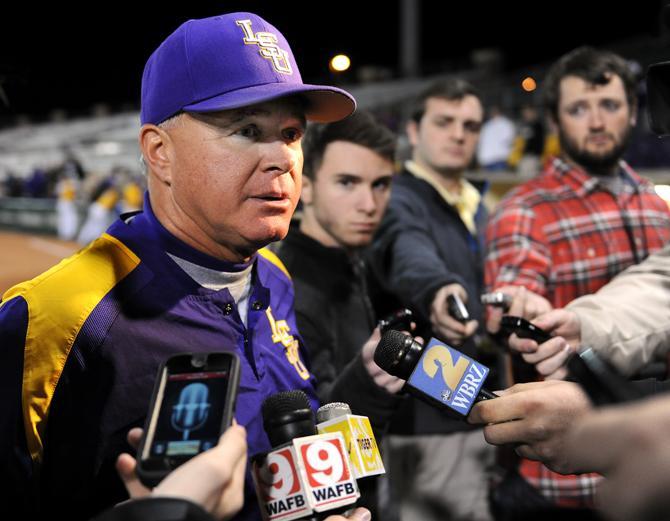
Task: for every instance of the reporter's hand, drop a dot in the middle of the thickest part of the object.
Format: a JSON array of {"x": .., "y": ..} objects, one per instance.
[
  {"x": 446, "y": 326},
  {"x": 391, "y": 384},
  {"x": 629, "y": 444},
  {"x": 214, "y": 479},
  {"x": 550, "y": 357},
  {"x": 525, "y": 304},
  {"x": 536, "y": 417}
]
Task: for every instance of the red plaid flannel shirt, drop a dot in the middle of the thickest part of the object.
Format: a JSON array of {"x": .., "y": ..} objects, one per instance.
[{"x": 563, "y": 235}]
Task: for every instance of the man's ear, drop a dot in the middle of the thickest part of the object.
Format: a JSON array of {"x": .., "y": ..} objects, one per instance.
[
  {"x": 307, "y": 193},
  {"x": 155, "y": 144},
  {"x": 412, "y": 129}
]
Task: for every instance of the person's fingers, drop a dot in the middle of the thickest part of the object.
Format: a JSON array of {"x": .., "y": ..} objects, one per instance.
[
  {"x": 494, "y": 316},
  {"x": 125, "y": 466},
  {"x": 507, "y": 432},
  {"x": 526, "y": 451},
  {"x": 470, "y": 328},
  {"x": 134, "y": 437},
  {"x": 447, "y": 322},
  {"x": 232, "y": 445},
  {"x": 450, "y": 329},
  {"x": 522, "y": 345},
  {"x": 560, "y": 374},
  {"x": 552, "y": 320},
  {"x": 459, "y": 290},
  {"x": 511, "y": 404},
  {"x": 205, "y": 477},
  {"x": 518, "y": 305},
  {"x": 554, "y": 363},
  {"x": 536, "y": 305},
  {"x": 360, "y": 514},
  {"x": 545, "y": 350},
  {"x": 485, "y": 412},
  {"x": 232, "y": 499},
  {"x": 395, "y": 387}
]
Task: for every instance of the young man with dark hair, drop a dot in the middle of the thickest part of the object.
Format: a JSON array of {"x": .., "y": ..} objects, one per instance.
[{"x": 346, "y": 187}]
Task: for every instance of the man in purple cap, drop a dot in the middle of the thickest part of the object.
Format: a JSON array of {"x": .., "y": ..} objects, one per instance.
[{"x": 223, "y": 115}]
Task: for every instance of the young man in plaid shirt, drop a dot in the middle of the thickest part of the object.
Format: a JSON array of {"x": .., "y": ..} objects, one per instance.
[{"x": 585, "y": 218}]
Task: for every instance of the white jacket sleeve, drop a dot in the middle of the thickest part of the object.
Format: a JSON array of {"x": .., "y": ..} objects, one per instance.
[{"x": 628, "y": 320}]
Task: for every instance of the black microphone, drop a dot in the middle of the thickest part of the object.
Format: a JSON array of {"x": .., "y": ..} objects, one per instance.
[
  {"x": 306, "y": 475},
  {"x": 287, "y": 415},
  {"x": 435, "y": 373}
]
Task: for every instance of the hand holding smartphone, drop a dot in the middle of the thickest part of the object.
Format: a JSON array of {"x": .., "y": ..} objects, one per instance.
[
  {"x": 193, "y": 403},
  {"x": 457, "y": 308},
  {"x": 523, "y": 329}
]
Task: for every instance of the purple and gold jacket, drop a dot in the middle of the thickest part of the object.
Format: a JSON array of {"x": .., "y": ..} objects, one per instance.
[{"x": 80, "y": 346}]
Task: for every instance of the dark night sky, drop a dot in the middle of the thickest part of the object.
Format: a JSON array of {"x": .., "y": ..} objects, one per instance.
[{"x": 66, "y": 58}]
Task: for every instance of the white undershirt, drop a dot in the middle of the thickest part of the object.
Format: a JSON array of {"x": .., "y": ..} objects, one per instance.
[{"x": 238, "y": 283}]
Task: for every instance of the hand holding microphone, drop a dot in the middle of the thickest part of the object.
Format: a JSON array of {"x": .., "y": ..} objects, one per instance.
[{"x": 436, "y": 373}]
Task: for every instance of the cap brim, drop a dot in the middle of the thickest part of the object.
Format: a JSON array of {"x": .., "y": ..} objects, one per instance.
[{"x": 325, "y": 104}]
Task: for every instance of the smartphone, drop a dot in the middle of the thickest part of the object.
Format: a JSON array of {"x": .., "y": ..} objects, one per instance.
[
  {"x": 601, "y": 382},
  {"x": 193, "y": 402},
  {"x": 523, "y": 329},
  {"x": 400, "y": 320},
  {"x": 456, "y": 308},
  {"x": 497, "y": 299}
]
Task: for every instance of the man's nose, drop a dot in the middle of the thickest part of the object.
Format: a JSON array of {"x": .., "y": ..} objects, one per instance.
[{"x": 280, "y": 157}]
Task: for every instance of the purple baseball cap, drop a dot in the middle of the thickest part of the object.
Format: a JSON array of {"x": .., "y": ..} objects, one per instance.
[{"x": 226, "y": 62}]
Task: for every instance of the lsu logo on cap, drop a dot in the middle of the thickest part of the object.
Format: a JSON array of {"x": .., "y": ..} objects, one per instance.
[
  {"x": 267, "y": 47},
  {"x": 448, "y": 376}
]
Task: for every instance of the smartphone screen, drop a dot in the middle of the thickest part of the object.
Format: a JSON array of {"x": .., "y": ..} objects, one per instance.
[
  {"x": 191, "y": 412},
  {"x": 193, "y": 402}
]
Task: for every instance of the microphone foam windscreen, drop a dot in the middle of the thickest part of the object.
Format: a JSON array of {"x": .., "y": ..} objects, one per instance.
[
  {"x": 332, "y": 410},
  {"x": 281, "y": 404},
  {"x": 389, "y": 349}
]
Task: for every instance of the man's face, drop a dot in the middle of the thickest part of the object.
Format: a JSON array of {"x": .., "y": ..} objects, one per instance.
[
  {"x": 348, "y": 195},
  {"x": 446, "y": 137},
  {"x": 594, "y": 121},
  {"x": 236, "y": 174}
]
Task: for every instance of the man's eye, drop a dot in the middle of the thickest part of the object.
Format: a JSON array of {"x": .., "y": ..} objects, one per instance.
[
  {"x": 250, "y": 131},
  {"x": 473, "y": 127},
  {"x": 292, "y": 134},
  {"x": 611, "y": 105},
  {"x": 577, "y": 110},
  {"x": 382, "y": 185}
]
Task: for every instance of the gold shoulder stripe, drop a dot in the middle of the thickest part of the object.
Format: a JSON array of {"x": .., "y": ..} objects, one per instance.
[
  {"x": 59, "y": 302},
  {"x": 272, "y": 257}
]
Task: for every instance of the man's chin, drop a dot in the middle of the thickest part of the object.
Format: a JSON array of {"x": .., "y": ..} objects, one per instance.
[{"x": 451, "y": 168}]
